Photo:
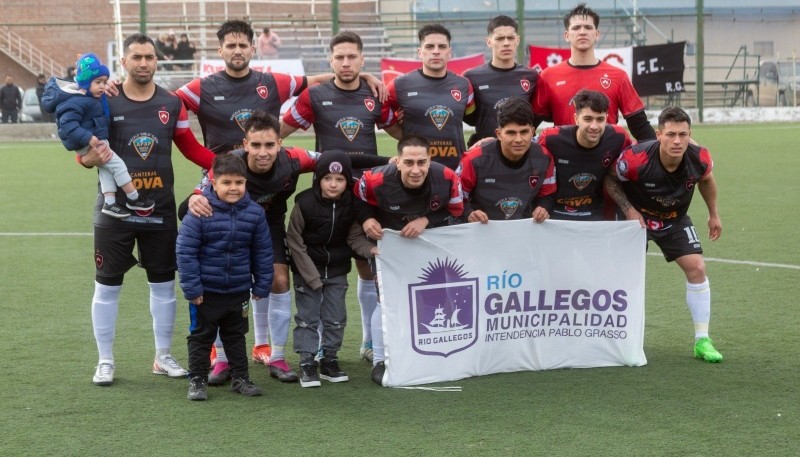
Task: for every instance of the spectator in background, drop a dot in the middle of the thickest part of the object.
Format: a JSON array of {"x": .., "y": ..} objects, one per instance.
[
  {"x": 70, "y": 73},
  {"x": 41, "y": 79},
  {"x": 10, "y": 101},
  {"x": 184, "y": 51},
  {"x": 166, "y": 48},
  {"x": 268, "y": 44}
]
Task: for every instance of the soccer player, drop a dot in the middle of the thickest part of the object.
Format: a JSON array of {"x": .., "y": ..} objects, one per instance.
[
  {"x": 223, "y": 102},
  {"x": 272, "y": 174},
  {"x": 499, "y": 79},
  {"x": 558, "y": 84},
  {"x": 583, "y": 154},
  {"x": 344, "y": 115},
  {"x": 434, "y": 101},
  {"x": 508, "y": 177},
  {"x": 653, "y": 182},
  {"x": 145, "y": 120},
  {"x": 409, "y": 196}
]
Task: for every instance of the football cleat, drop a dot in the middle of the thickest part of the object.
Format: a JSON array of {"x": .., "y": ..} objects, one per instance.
[
  {"x": 704, "y": 349},
  {"x": 167, "y": 365}
]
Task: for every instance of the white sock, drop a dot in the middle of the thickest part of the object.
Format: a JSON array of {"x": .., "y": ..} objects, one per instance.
[
  {"x": 105, "y": 304},
  {"x": 260, "y": 321},
  {"x": 377, "y": 335},
  {"x": 698, "y": 298},
  {"x": 162, "y": 308},
  {"x": 133, "y": 195},
  {"x": 280, "y": 313},
  {"x": 367, "y": 299},
  {"x": 109, "y": 199},
  {"x": 221, "y": 357},
  {"x": 277, "y": 353}
]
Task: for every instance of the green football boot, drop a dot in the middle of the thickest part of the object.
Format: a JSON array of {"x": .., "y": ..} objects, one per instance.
[{"x": 704, "y": 349}]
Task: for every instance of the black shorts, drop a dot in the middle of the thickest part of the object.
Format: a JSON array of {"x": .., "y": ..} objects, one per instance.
[
  {"x": 113, "y": 251},
  {"x": 676, "y": 240},
  {"x": 280, "y": 250}
]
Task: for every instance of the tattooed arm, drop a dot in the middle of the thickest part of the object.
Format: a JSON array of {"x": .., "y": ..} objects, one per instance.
[{"x": 613, "y": 188}]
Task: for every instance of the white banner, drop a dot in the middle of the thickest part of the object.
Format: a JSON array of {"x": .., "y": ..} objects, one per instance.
[{"x": 476, "y": 299}]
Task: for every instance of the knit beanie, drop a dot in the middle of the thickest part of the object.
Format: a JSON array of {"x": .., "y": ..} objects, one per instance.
[
  {"x": 334, "y": 162},
  {"x": 88, "y": 68}
]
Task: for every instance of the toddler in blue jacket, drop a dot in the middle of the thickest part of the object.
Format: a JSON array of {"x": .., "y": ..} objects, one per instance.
[{"x": 83, "y": 119}]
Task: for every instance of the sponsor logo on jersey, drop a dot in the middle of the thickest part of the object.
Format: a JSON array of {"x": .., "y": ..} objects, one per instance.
[
  {"x": 563, "y": 161},
  {"x": 485, "y": 86},
  {"x": 489, "y": 180},
  {"x": 327, "y": 103},
  {"x": 526, "y": 85},
  {"x": 119, "y": 118},
  {"x": 262, "y": 92},
  {"x": 350, "y": 126},
  {"x": 500, "y": 102},
  {"x": 444, "y": 309},
  {"x": 241, "y": 116},
  {"x": 143, "y": 144},
  {"x": 690, "y": 183},
  {"x": 580, "y": 181},
  {"x": 163, "y": 116},
  {"x": 412, "y": 94},
  {"x": 666, "y": 202},
  {"x": 572, "y": 202},
  {"x": 605, "y": 82},
  {"x": 219, "y": 98},
  {"x": 533, "y": 181},
  {"x": 509, "y": 206},
  {"x": 439, "y": 115},
  {"x": 369, "y": 103},
  {"x": 436, "y": 203},
  {"x": 456, "y": 94}
]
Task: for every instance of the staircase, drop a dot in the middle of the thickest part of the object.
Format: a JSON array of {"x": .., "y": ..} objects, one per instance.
[{"x": 26, "y": 55}]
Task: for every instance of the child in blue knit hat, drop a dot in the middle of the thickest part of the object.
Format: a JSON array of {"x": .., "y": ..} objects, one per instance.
[{"x": 82, "y": 117}]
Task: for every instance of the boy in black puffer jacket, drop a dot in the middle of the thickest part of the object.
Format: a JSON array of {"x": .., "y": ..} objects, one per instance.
[{"x": 322, "y": 235}]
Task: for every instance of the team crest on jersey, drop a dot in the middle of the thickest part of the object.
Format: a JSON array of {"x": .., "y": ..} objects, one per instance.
[
  {"x": 98, "y": 259},
  {"x": 666, "y": 202},
  {"x": 509, "y": 206},
  {"x": 653, "y": 224},
  {"x": 262, "y": 92},
  {"x": 439, "y": 115},
  {"x": 241, "y": 117},
  {"x": 456, "y": 94},
  {"x": 143, "y": 144},
  {"x": 607, "y": 159},
  {"x": 690, "y": 183},
  {"x": 580, "y": 181},
  {"x": 369, "y": 103},
  {"x": 533, "y": 181},
  {"x": 350, "y": 126},
  {"x": 163, "y": 116},
  {"x": 526, "y": 85},
  {"x": 436, "y": 203},
  {"x": 605, "y": 82}
]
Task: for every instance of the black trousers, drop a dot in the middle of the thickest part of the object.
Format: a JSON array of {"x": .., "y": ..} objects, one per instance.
[{"x": 228, "y": 314}]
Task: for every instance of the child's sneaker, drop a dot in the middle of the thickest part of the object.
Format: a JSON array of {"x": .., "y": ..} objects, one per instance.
[
  {"x": 115, "y": 210},
  {"x": 197, "y": 389},
  {"x": 140, "y": 204},
  {"x": 308, "y": 375},
  {"x": 220, "y": 374},
  {"x": 329, "y": 370},
  {"x": 245, "y": 387}
]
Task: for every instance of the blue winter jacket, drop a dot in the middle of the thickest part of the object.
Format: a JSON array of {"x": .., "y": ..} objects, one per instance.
[
  {"x": 78, "y": 115},
  {"x": 227, "y": 253}
]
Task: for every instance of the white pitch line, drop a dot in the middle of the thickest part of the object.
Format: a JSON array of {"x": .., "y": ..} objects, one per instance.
[
  {"x": 742, "y": 262},
  {"x": 45, "y": 234},
  {"x": 657, "y": 254}
]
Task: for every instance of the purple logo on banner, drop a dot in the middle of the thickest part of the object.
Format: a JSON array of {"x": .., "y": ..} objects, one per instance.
[{"x": 444, "y": 309}]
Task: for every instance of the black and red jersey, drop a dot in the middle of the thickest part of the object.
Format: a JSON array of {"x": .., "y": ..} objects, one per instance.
[
  {"x": 503, "y": 189},
  {"x": 433, "y": 108},
  {"x": 492, "y": 86},
  {"x": 142, "y": 133},
  {"x": 223, "y": 103},
  {"x": 580, "y": 171},
  {"x": 660, "y": 195},
  {"x": 394, "y": 205},
  {"x": 343, "y": 120},
  {"x": 558, "y": 85}
]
